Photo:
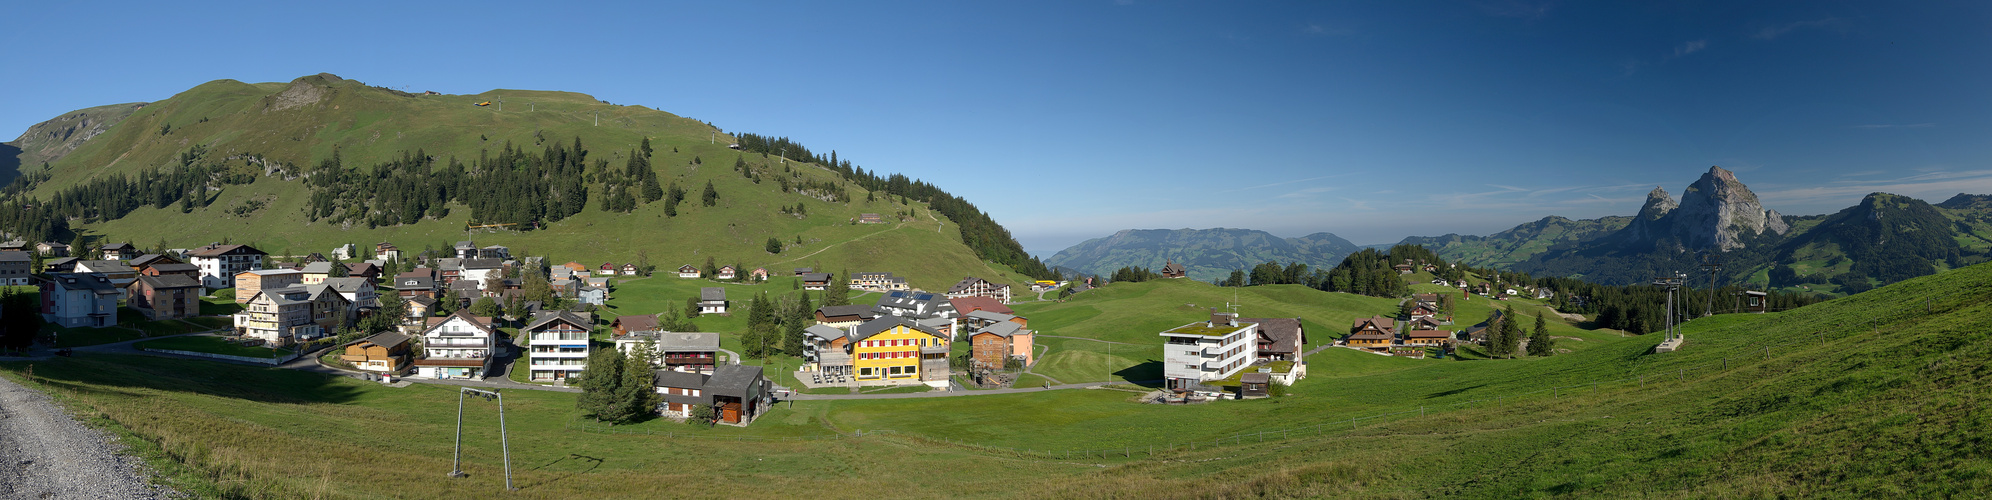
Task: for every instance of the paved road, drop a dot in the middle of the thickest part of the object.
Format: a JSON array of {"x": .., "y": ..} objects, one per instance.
[
  {"x": 48, "y": 454},
  {"x": 950, "y": 394}
]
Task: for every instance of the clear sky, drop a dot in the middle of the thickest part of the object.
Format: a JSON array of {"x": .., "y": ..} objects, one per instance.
[{"x": 1068, "y": 120}]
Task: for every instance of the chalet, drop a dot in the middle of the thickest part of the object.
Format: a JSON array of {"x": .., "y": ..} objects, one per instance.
[
  {"x": 592, "y": 295},
  {"x": 815, "y": 281},
  {"x": 1422, "y": 323},
  {"x": 601, "y": 282},
  {"x": 575, "y": 267},
  {"x": 557, "y": 345},
  {"x": 824, "y": 351},
  {"x": 687, "y": 271},
  {"x": 712, "y": 300},
  {"x": 467, "y": 290},
  {"x": 758, "y": 274},
  {"x": 737, "y": 393},
  {"x": 915, "y": 304},
  {"x": 607, "y": 269},
  {"x": 1404, "y": 268},
  {"x": 158, "y": 268},
  {"x": 1254, "y": 385},
  {"x": 279, "y": 316},
  {"x": 408, "y": 287},
  {"x": 1170, "y": 269},
  {"x": 630, "y": 269},
  {"x": 72, "y": 300},
  {"x": 804, "y": 270},
  {"x": 1424, "y": 310},
  {"x": 15, "y": 268},
  {"x": 118, "y": 251},
  {"x": 1375, "y": 332},
  {"x": 346, "y": 252},
  {"x": 61, "y": 265},
  {"x": 367, "y": 270},
  {"x": 172, "y": 296},
  {"x": 1426, "y": 337},
  {"x": 564, "y": 287},
  {"x": 448, "y": 270},
  {"x": 977, "y": 287},
  {"x": 844, "y": 316},
  {"x": 688, "y": 351},
  {"x": 387, "y": 251},
  {"x": 457, "y": 346},
  {"x": 465, "y": 250},
  {"x": 893, "y": 349},
  {"x": 329, "y": 309},
  {"x": 385, "y": 352},
  {"x": 870, "y": 219},
  {"x": 627, "y": 325},
  {"x": 421, "y": 306},
  {"x": 1479, "y": 333},
  {"x": 53, "y": 249},
  {"x": 221, "y": 263},
  {"x": 14, "y": 246},
  {"x": 1207, "y": 350},
  {"x": 316, "y": 272},
  {"x": 481, "y": 270},
  {"x": 141, "y": 261},
  {"x": 878, "y": 282},
  {"x": 727, "y": 273},
  {"x": 965, "y": 305},
  {"x": 1278, "y": 339},
  {"x": 995, "y": 345}
]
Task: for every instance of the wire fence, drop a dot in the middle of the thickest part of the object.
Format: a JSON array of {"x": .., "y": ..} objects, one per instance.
[{"x": 1674, "y": 373}]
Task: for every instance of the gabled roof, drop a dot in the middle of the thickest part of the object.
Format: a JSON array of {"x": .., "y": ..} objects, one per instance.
[
  {"x": 424, "y": 300},
  {"x": 386, "y": 339},
  {"x": 966, "y": 283},
  {"x": 637, "y": 323},
  {"x": 972, "y": 304},
  {"x": 102, "y": 266},
  {"x": 545, "y": 319},
  {"x": 687, "y": 268},
  {"x": 688, "y": 341},
  {"x": 1003, "y": 329},
  {"x": 816, "y": 276},
  {"x": 220, "y": 250},
  {"x": 733, "y": 380},
  {"x": 466, "y": 245},
  {"x": 94, "y": 282},
  {"x": 118, "y": 247},
  {"x": 825, "y": 332},
  {"x": 318, "y": 268},
  {"x": 712, "y": 294},
  {"x": 482, "y": 323},
  {"x": 990, "y": 316},
  {"x": 874, "y": 327},
  {"x": 15, "y": 256},
  {"x": 273, "y": 272},
  {"x": 482, "y": 264},
  {"x": 859, "y": 310},
  {"x": 678, "y": 379},
  {"x": 149, "y": 258},
  {"x": 414, "y": 283},
  {"x": 1285, "y": 333},
  {"x": 169, "y": 281},
  {"x": 349, "y": 284},
  {"x": 174, "y": 267}
]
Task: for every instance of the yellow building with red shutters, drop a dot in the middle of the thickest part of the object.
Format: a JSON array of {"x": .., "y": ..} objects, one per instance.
[{"x": 896, "y": 350}]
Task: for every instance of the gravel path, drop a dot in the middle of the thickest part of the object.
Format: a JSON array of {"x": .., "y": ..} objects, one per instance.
[{"x": 45, "y": 453}]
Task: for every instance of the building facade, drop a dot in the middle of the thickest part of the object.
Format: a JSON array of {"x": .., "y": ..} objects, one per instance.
[{"x": 1207, "y": 350}]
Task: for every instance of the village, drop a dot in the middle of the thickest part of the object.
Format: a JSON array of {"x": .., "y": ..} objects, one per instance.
[{"x": 479, "y": 315}]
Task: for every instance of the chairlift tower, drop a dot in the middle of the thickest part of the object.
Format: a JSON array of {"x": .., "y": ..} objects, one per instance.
[
  {"x": 456, "y": 462},
  {"x": 1711, "y": 263},
  {"x": 1673, "y": 285}
]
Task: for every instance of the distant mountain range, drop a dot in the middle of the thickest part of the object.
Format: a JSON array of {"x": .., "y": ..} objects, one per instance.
[
  {"x": 1884, "y": 239},
  {"x": 1206, "y": 254}
]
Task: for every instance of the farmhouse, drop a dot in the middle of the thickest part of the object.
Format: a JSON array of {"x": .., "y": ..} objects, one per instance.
[
  {"x": 1279, "y": 339},
  {"x": 15, "y": 268},
  {"x": 878, "y": 282},
  {"x": 845, "y": 316},
  {"x": 1170, "y": 269},
  {"x": 687, "y": 271},
  {"x": 1375, "y": 332},
  {"x": 815, "y": 281},
  {"x": 383, "y": 352},
  {"x": 457, "y": 346}
]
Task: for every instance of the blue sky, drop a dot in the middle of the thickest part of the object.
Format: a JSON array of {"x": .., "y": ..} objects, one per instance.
[{"x": 1073, "y": 119}]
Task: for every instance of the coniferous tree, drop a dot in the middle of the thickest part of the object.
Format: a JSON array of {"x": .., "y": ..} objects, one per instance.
[
  {"x": 600, "y": 385},
  {"x": 636, "y": 394},
  {"x": 774, "y": 245},
  {"x": 838, "y": 292},
  {"x": 1511, "y": 332},
  {"x": 711, "y": 196},
  {"x": 1540, "y": 343}
]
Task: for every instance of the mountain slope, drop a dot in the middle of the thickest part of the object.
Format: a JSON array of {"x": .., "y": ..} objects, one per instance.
[
  {"x": 260, "y": 139},
  {"x": 1206, "y": 253},
  {"x": 1518, "y": 243}
]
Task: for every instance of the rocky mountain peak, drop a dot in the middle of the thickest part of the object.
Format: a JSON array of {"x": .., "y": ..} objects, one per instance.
[
  {"x": 1717, "y": 210},
  {"x": 1658, "y": 203}
]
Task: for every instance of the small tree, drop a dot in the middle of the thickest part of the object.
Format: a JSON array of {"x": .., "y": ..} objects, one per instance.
[
  {"x": 774, "y": 245},
  {"x": 600, "y": 384},
  {"x": 486, "y": 307},
  {"x": 838, "y": 293},
  {"x": 691, "y": 307},
  {"x": 1511, "y": 332},
  {"x": 702, "y": 414},
  {"x": 1540, "y": 343}
]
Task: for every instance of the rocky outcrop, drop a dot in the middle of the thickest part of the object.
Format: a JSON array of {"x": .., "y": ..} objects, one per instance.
[
  {"x": 1716, "y": 212},
  {"x": 304, "y": 91},
  {"x": 1647, "y": 226},
  {"x": 51, "y": 140}
]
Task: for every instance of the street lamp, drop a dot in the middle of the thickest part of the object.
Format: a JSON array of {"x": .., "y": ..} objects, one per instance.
[{"x": 456, "y": 463}]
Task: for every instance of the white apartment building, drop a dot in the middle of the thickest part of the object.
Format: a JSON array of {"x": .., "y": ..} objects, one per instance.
[
  {"x": 1207, "y": 350},
  {"x": 220, "y": 263},
  {"x": 458, "y": 346},
  {"x": 557, "y": 345}
]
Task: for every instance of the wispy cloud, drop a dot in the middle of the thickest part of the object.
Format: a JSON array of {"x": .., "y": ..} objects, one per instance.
[
  {"x": 1773, "y": 32},
  {"x": 1356, "y": 204},
  {"x": 1892, "y": 125},
  {"x": 1690, "y": 47},
  {"x": 1304, "y": 193},
  {"x": 1318, "y": 29},
  {"x": 1929, "y": 185}
]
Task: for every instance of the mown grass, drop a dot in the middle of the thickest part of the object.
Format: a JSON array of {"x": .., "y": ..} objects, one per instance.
[
  {"x": 1807, "y": 403},
  {"x": 211, "y": 345}
]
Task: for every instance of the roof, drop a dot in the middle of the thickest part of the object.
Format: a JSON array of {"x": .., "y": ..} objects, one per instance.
[
  {"x": 1255, "y": 378},
  {"x": 15, "y": 256},
  {"x": 349, "y": 284},
  {"x": 548, "y": 318},
  {"x": 102, "y": 266},
  {"x": 1284, "y": 332},
  {"x": 1386, "y": 324},
  {"x": 687, "y": 268},
  {"x": 637, "y": 323},
  {"x": 117, "y": 246},
  {"x": 482, "y": 323},
  {"x": 274, "y": 272},
  {"x": 386, "y": 339},
  {"x": 170, "y": 281},
  {"x": 983, "y": 303},
  {"x": 990, "y": 316},
  {"x": 732, "y": 380},
  {"x": 281, "y": 296},
  {"x": 220, "y": 250},
  {"x": 1429, "y": 334},
  {"x": 824, "y": 332},
  {"x": 883, "y": 323},
  {"x": 1004, "y": 329},
  {"x": 682, "y": 380},
  {"x": 466, "y": 245},
  {"x": 318, "y": 268},
  {"x": 858, "y": 310},
  {"x": 712, "y": 293},
  {"x": 83, "y": 281},
  {"x": 482, "y": 263},
  {"x": 816, "y": 276},
  {"x": 418, "y": 283},
  {"x": 425, "y": 301},
  {"x": 174, "y": 267},
  {"x": 687, "y": 341},
  {"x": 966, "y": 283}
]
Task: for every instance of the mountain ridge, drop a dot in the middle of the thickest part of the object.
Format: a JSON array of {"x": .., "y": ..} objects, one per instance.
[{"x": 1206, "y": 254}]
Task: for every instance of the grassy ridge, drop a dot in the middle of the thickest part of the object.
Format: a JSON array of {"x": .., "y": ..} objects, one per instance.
[{"x": 367, "y": 125}]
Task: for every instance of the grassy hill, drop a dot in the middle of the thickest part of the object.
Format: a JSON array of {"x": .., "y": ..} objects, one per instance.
[
  {"x": 1207, "y": 254},
  {"x": 274, "y": 127}
]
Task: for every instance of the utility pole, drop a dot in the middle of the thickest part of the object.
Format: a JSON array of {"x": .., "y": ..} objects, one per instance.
[{"x": 1712, "y": 263}]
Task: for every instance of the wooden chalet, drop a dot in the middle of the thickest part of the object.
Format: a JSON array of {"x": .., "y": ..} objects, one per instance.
[
  {"x": 1170, "y": 269},
  {"x": 384, "y": 352},
  {"x": 1375, "y": 332}
]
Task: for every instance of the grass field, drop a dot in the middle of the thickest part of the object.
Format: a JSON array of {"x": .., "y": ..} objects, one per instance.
[
  {"x": 211, "y": 345},
  {"x": 1806, "y": 403}
]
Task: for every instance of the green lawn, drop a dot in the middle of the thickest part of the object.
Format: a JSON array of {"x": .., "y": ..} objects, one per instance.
[
  {"x": 212, "y": 345},
  {"x": 79, "y": 337}
]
